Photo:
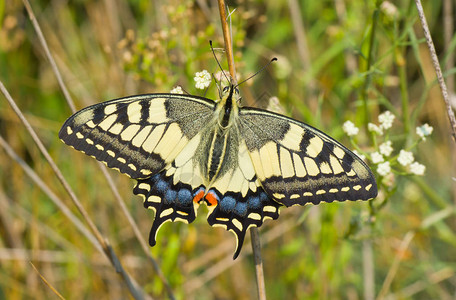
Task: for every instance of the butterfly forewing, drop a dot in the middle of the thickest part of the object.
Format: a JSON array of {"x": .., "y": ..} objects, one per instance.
[
  {"x": 298, "y": 164},
  {"x": 155, "y": 139},
  {"x": 137, "y": 135}
]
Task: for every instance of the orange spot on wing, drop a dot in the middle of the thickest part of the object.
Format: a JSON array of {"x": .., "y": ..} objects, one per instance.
[
  {"x": 211, "y": 198},
  {"x": 198, "y": 196}
]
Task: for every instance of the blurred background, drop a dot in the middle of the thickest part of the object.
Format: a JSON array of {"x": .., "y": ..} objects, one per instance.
[{"x": 337, "y": 60}]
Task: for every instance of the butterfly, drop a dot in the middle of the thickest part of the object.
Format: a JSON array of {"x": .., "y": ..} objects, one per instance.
[{"x": 244, "y": 163}]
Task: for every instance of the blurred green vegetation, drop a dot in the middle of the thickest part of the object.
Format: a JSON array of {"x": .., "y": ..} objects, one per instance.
[{"x": 332, "y": 66}]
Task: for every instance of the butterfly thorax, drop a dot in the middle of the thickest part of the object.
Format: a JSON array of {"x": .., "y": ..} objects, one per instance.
[{"x": 222, "y": 136}]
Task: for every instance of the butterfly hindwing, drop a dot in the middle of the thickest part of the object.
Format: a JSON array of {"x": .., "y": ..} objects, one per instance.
[
  {"x": 171, "y": 202},
  {"x": 239, "y": 200},
  {"x": 298, "y": 164},
  {"x": 174, "y": 193},
  {"x": 137, "y": 135}
]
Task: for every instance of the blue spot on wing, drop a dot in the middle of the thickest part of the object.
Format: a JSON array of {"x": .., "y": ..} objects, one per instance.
[
  {"x": 241, "y": 209},
  {"x": 264, "y": 197},
  {"x": 227, "y": 203},
  {"x": 161, "y": 186},
  {"x": 170, "y": 196},
  {"x": 184, "y": 197},
  {"x": 254, "y": 202},
  {"x": 177, "y": 197},
  {"x": 233, "y": 211}
]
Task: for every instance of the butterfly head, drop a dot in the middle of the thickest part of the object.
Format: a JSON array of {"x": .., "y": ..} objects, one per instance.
[
  {"x": 231, "y": 92},
  {"x": 228, "y": 106}
]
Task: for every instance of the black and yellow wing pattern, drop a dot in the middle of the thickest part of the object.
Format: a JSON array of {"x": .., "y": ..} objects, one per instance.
[{"x": 243, "y": 163}]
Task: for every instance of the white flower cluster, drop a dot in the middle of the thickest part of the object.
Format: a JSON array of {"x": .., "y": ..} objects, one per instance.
[
  {"x": 350, "y": 129},
  {"x": 382, "y": 157},
  {"x": 417, "y": 168},
  {"x": 424, "y": 131},
  {"x": 202, "y": 79},
  {"x": 384, "y": 169},
  {"x": 275, "y": 106},
  {"x": 386, "y": 148},
  {"x": 374, "y": 128},
  {"x": 377, "y": 157},
  {"x": 405, "y": 158},
  {"x": 177, "y": 90},
  {"x": 389, "y": 9},
  {"x": 223, "y": 77},
  {"x": 386, "y": 119}
]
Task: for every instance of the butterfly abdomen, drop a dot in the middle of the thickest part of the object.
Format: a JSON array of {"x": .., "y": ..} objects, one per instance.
[{"x": 216, "y": 153}]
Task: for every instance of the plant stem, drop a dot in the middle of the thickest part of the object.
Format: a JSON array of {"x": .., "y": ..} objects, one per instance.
[
  {"x": 438, "y": 70},
  {"x": 404, "y": 96},
  {"x": 368, "y": 254},
  {"x": 370, "y": 58},
  {"x": 256, "y": 247},
  {"x": 227, "y": 39},
  {"x": 368, "y": 270}
]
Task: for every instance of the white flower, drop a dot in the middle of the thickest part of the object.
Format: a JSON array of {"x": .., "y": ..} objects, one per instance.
[
  {"x": 389, "y": 9},
  {"x": 384, "y": 169},
  {"x": 274, "y": 105},
  {"x": 177, "y": 90},
  {"x": 377, "y": 158},
  {"x": 386, "y": 119},
  {"x": 374, "y": 128},
  {"x": 363, "y": 157},
  {"x": 350, "y": 128},
  {"x": 424, "y": 131},
  {"x": 223, "y": 77},
  {"x": 386, "y": 148},
  {"x": 405, "y": 158},
  {"x": 417, "y": 168},
  {"x": 202, "y": 79}
]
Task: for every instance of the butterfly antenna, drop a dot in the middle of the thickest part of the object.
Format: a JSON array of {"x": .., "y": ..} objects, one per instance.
[
  {"x": 218, "y": 63},
  {"x": 257, "y": 72},
  {"x": 217, "y": 84},
  {"x": 185, "y": 91}
]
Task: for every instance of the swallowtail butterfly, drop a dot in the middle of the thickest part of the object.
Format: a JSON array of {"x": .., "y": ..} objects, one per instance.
[{"x": 243, "y": 163}]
